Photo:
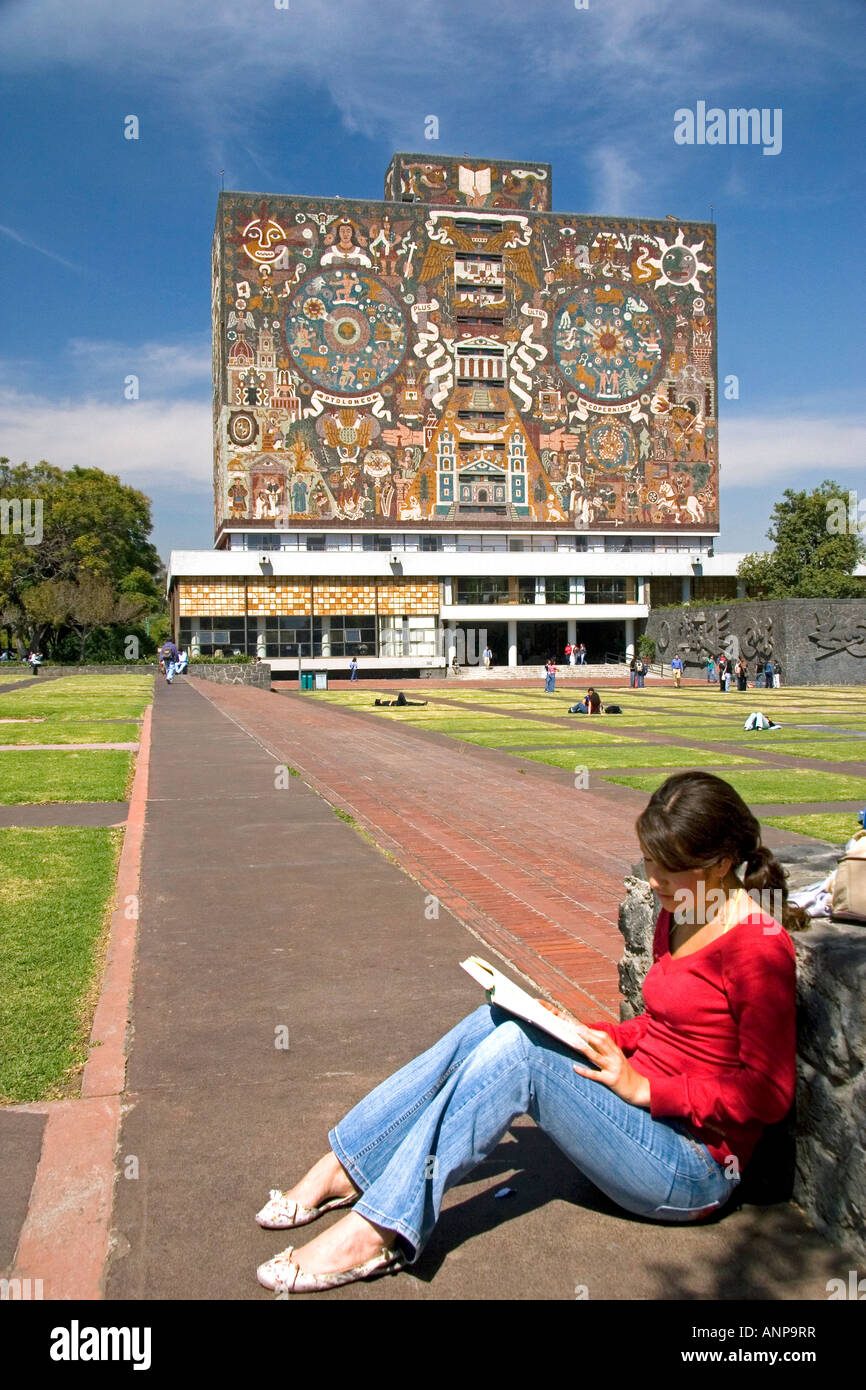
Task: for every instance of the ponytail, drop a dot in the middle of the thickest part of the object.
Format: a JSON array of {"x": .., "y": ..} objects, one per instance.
[{"x": 763, "y": 874}]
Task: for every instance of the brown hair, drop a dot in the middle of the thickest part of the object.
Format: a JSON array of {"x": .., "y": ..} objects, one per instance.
[{"x": 694, "y": 819}]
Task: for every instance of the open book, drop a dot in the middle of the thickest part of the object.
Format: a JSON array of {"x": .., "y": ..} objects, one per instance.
[{"x": 509, "y": 996}]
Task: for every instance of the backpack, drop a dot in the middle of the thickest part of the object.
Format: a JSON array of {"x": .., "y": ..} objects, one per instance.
[
  {"x": 849, "y": 884},
  {"x": 613, "y": 709}
]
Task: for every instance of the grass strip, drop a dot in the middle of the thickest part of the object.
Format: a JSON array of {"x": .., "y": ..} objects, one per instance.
[
  {"x": 771, "y": 786},
  {"x": 628, "y": 754},
  {"x": 69, "y": 731},
  {"x": 55, "y": 885},
  {"x": 835, "y": 829},
  {"x": 35, "y": 777}
]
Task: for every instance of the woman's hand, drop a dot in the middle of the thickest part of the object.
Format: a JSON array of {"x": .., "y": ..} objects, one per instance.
[{"x": 615, "y": 1070}]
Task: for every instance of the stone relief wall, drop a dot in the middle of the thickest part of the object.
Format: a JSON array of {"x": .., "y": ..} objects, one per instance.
[{"x": 816, "y": 641}]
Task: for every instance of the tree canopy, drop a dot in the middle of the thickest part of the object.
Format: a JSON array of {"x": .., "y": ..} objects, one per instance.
[
  {"x": 75, "y": 552},
  {"x": 817, "y": 546}
]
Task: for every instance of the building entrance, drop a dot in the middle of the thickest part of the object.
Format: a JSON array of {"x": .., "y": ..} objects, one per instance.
[
  {"x": 538, "y": 642},
  {"x": 472, "y": 638}
]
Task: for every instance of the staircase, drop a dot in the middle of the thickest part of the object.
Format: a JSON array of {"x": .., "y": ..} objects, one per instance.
[{"x": 583, "y": 675}]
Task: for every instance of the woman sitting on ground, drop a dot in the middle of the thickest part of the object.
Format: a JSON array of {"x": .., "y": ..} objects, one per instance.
[
  {"x": 661, "y": 1112},
  {"x": 590, "y": 704}
]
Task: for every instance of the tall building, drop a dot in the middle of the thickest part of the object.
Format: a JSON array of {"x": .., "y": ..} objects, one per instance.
[{"x": 453, "y": 418}]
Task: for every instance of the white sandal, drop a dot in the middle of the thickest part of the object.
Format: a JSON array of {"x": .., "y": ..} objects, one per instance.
[
  {"x": 282, "y": 1213},
  {"x": 282, "y": 1275}
]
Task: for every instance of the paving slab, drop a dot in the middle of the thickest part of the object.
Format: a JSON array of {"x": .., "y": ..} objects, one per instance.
[{"x": 285, "y": 967}]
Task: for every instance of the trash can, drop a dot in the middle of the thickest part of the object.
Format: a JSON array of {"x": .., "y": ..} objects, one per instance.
[
  {"x": 321, "y": 680},
  {"x": 306, "y": 680}
]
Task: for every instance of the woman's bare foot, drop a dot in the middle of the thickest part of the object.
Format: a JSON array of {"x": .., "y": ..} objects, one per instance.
[
  {"x": 347, "y": 1243},
  {"x": 327, "y": 1179}
]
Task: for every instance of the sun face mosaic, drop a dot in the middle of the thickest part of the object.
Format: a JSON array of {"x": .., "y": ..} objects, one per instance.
[{"x": 458, "y": 353}]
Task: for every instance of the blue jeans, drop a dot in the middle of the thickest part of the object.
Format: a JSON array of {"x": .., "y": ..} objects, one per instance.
[
  {"x": 421, "y": 1131},
  {"x": 549, "y": 682}
]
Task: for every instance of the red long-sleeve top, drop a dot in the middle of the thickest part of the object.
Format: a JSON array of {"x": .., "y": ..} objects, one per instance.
[{"x": 717, "y": 1040}]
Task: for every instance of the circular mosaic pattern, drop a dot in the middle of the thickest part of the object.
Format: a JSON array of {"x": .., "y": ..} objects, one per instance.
[
  {"x": 679, "y": 264},
  {"x": 610, "y": 445},
  {"x": 346, "y": 331},
  {"x": 608, "y": 343}
]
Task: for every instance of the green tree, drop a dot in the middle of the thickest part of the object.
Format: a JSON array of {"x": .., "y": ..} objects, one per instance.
[
  {"x": 90, "y": 525},
  {"x": 814, "y": 556}
]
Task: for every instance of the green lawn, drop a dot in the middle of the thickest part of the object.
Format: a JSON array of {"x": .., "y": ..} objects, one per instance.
[
  {"x": 36, "y": 777},
  {"x": 835, "y": 829},
  {"x": 81, "y": 697},
  {"x": 498, "y": 719},
  {"x": 776, "y": 785},
  {"x": 55, "y": 887},
  {"x": 846, "y": 751},
  {"x": 532, "y": 735},
  {"x": 632, "y": 754},
  {"x": 68, "y": 731}
]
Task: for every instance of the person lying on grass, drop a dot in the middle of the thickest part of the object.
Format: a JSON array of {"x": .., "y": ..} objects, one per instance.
[
  {"x": 399, "y": 703},
  {"x": 661, "y": 1112}
]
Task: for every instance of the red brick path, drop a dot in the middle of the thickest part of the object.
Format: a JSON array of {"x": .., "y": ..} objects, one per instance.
[{"x": 530, "y": 864}]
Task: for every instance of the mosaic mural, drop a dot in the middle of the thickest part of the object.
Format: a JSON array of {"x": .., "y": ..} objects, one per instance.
[{"x": 458, "y": 353}]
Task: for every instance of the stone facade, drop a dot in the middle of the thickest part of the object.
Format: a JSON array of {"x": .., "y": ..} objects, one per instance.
[
  {"x": 257, "y": 673},
  {"x": 816, "y": 641},
  {"x": 815, "y": 1157}
]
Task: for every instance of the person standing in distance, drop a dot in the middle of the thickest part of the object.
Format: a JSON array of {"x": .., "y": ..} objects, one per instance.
[
  {"x": 677, "y": 669},
  {"x": 170, "y": 656}
]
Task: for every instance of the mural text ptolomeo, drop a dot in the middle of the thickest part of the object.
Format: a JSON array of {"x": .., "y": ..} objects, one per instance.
[{"x": 458, "y": 353}]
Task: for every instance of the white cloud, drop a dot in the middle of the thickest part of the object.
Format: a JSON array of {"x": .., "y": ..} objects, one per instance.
[
  {"x": 610, "y": 73},
  {"x": 618, "y": 185},
  {"x": 33, "y": 246},
  {"x": 759, "y": 448},
  {"x": 142, "y": 442},
  {"x": 162, "y": 368}
]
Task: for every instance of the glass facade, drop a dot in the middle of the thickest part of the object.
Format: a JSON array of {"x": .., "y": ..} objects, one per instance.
[
  {"x": 605, "y": 590},
  {"x": 476, "y": 588},
  {"x": 556, "y": 589},
  {"x": 470, "y": 542},
  {"x": 340, "y": 636}
]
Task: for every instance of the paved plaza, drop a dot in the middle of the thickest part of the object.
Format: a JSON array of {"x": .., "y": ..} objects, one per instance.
[
  {"x": 311, "y": 873},
  {"x": 264, "y": 910}
]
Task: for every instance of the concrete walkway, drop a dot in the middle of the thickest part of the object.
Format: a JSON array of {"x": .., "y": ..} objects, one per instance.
[{"x": 286, "y": 966}]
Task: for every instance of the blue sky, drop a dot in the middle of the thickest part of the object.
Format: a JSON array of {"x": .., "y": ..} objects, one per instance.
[{"x": 106, "y": 241}]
